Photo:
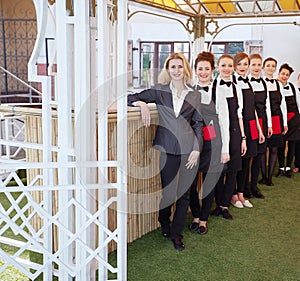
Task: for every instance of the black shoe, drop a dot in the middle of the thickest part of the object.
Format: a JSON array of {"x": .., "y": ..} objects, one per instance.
[
  {"x": 270, "y": 183},
  {"x": 280, "y": 173},
  {"x": 258, "y": 194},
  {"x": 226, "y": 215},
  {"x": 247, "y": 194},
  {"x": 262, "y": 181},
  {"x": 194, "y": 226},
  {"x": 216, "y": 212},
  {"x": 178, "y": 245},
  {"x": 289, "y": 173},
  {"x": 202, "y": 230},
  {"x": 165, "y": 231}
]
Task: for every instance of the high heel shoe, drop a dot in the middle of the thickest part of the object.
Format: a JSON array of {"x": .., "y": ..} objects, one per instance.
[{"x": 262, "y": 181}]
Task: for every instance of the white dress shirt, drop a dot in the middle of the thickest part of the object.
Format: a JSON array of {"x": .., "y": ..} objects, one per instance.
[
  {"x": 289, "y": 92},
  {"x": 222, "y": 93},
  {"x": 178, "y": 101}
]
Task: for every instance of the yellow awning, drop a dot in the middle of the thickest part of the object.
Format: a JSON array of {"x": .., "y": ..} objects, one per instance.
[{"x": 227, "y": 8}]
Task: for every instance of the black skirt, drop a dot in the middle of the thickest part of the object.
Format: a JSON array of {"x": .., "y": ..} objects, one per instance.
[{"x": 275, "y": 141}]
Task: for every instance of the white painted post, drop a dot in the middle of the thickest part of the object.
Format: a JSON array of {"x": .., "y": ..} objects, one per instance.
[
  {"x": 48, "y": 178},
  {"x": 122, "y": 53},
  {"x": 103, "y": 44},
  {"x": 65, "y": 87},
  {"x": 84, "y": 132}
]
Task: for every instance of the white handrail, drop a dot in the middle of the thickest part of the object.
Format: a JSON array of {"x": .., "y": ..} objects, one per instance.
[{"x": 21, "y": 81}]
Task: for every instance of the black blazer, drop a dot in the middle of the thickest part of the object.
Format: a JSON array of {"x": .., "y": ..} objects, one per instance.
[{"x": 174, "y": 135}]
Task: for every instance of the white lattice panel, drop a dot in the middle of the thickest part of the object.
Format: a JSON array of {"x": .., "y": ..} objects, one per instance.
[{"x": 57, "y": 224}]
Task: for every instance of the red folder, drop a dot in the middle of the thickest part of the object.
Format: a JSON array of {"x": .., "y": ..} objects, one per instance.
[
  {"x": 290, "y": 115},
  {"x": 276, "y": 127},
  {"x": 209, "y": 132},
  {"x": 253, "y": 129}
]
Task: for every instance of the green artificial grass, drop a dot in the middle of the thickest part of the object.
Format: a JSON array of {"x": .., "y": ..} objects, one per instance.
[{"x": 262, "y": 243}]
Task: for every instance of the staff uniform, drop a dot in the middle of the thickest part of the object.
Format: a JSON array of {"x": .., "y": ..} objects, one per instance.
[
  {"x": 263, "y": 110},
  {"x": 178, "y": 133},
  {"x": 279, "y": 120},
  {"x": 229, "y": 122},
  {"x": 292, "y": 97},
  {"x": 297, "y": 151},
  {"x": 278, "y": 112},
  {"x": 250, "y": 129},
  {"x": 209, "y": 163}
]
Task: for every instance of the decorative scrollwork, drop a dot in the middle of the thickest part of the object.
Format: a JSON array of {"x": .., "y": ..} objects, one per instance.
[
  {"x": 190, "y": 24},
  {"x": 211, "y": 27}
]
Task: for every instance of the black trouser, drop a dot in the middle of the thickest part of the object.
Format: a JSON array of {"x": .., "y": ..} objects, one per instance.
[
  {"x": 242, "y": 178},
  {"x": 208, "y": 192},
  {"x": 290, "y": 154},
  {"x": 225, "y": 188},
  {"x": 297, "y": 154},
  {"x": 176, "y": 180}
]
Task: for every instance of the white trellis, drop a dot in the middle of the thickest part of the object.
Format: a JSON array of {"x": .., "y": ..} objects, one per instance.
[{"x": 89, "y": 67}]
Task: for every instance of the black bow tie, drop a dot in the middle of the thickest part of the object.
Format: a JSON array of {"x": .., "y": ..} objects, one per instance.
[
  {"x": 205, "y": 88},
  {"x": 270, "y": 80},
  {"x": 245, "y": 80},
  {"x": 286, "y": 87},
  {"x": 254, "y": 79},
  {"x": 228, "y": 83}
]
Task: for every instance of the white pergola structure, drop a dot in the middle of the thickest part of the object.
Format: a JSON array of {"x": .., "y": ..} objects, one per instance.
[
  {"x": 91, "y": 63},
  {"x": 89, "y": 67}
]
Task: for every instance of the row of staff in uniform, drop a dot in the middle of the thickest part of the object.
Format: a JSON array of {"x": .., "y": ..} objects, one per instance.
[{"x": 220, "y": 127}]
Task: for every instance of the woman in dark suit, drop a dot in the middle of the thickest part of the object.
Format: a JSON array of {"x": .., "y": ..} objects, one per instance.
[{"x": 178, "y": 137}]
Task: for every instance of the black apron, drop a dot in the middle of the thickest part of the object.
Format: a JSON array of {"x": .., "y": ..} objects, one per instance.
[
  {"x": 293, "y": 132},
  {"x": 276, "y": 140},
  {"x": 249, "y": 121},
  {"x": 260, "y": 106},
  {"x": 211, "y": 153},
  {"x": 235, "y": 163}
]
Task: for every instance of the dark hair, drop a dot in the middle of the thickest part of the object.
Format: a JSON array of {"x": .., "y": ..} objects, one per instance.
[
  {"x": 238, "y": 57},
  {"x": 269, "y": 59},
  {"x": 205, "y": 56},
  {"x": 287, "y": 67}
]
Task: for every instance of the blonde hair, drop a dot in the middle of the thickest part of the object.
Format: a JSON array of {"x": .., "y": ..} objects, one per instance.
[{"x": 165, "y": 78}]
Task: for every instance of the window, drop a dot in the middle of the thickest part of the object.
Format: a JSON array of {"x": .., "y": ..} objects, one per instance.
[
  {"x": 231, "y": 48},
  {"x": 153, "y": 56}
]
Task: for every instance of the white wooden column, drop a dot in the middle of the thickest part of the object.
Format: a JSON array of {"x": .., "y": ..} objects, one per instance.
[
  {"x": 122, "y": 54},
  {"x": 65, "y": 87},
  {"x": 41, "y": 8},
  {"x": 84, "y": 136},
  {"x": 103, "y": 51}
]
